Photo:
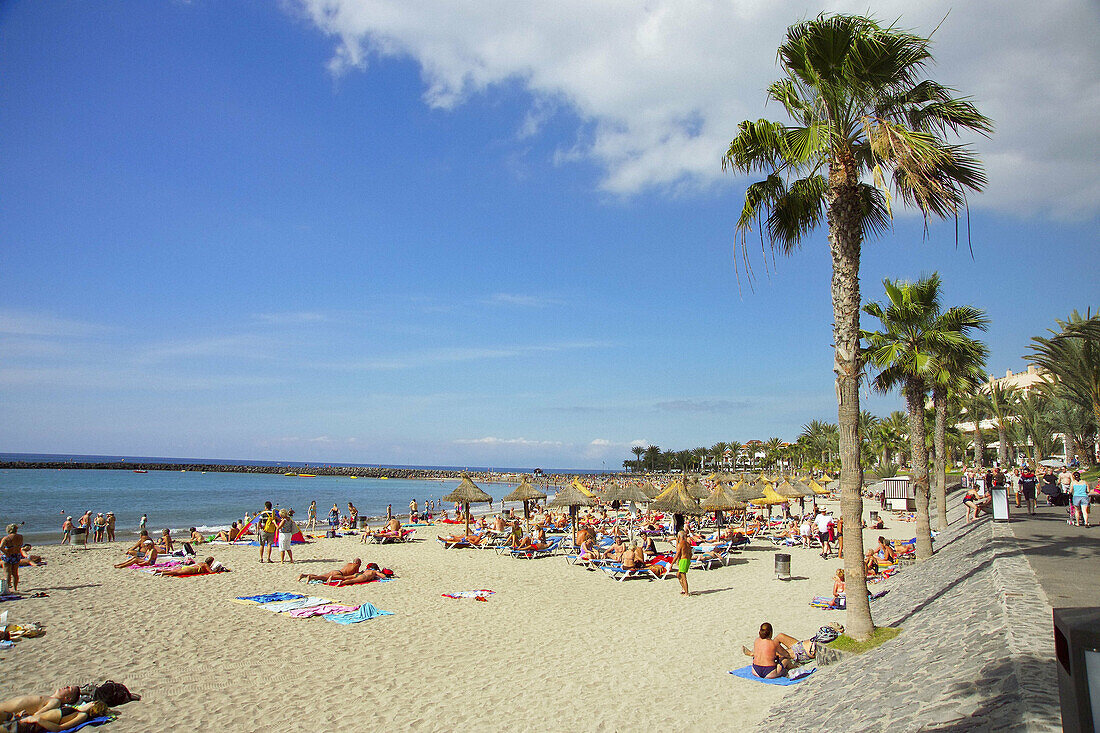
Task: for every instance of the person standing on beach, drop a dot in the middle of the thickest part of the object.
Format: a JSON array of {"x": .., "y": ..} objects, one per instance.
[
  {"x": 142, "y": 523},
  {"x": 311, "y": 516},
  {"x": 11, "y": 553},
  {"x": 353, "y": 513},
  {"x": 265, "y": 530},
  {"x": 334, "y": 517},
  {"x": 287, "y": 528},
  {"x": 389, "y": 511},
  {"x": 110, "y": 526},
  {"x": 683, "y": 560},
  {"x": 412, "y": 510},
  {"x": 67, "y": 531}
]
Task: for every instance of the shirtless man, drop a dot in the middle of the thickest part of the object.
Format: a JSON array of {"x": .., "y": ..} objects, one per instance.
[
  {"x": 11, "y": 553},
  {"x": 110, "y": 526},
  {"x": 142, "y": 553},
  {"x": 34, "y": 704},
  {"x": 769, "y": 658},
  {"x": 206, "y": 567},
  {"x": 683, "y": 561},
  {"x": 349, "y": 570}
]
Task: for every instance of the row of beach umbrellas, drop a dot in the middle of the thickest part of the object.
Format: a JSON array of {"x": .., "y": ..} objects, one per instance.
[{"x": 687, "y": 496}]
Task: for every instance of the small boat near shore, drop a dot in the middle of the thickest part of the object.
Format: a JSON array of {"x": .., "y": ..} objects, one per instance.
[
  {"x": 140, "y": 470},
  {"x": 307, "y": 475}
]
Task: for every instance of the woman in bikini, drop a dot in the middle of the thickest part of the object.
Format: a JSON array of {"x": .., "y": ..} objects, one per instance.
[{"x": 65, "y": 717}]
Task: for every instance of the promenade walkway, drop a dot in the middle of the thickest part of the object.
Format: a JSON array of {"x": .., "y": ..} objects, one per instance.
[
  {"x": 975, "y": 652},
  {"x": 1060, "y": 554}
]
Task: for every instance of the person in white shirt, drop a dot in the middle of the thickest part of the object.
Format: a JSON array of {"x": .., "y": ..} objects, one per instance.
[{"x": 821, "y": 521}]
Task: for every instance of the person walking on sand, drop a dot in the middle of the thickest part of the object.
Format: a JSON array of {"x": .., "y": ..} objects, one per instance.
[
  {"x": 287, "y": 528},
  {"x": 67, "y": 531},
  {"x": 11, "y": 553},
  {"x": 683, "y": 561}
]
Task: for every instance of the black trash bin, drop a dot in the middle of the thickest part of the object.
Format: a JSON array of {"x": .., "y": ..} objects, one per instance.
[{"x": 782, "y": 565}]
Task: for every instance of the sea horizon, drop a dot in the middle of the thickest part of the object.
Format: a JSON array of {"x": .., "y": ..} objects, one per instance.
[{"x": 136, "y": 459}]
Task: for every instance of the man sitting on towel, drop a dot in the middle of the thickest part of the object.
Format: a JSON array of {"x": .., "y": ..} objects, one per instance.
[
  {"x": 349, "y": 570},
  {"x": 209, "y": 566}
]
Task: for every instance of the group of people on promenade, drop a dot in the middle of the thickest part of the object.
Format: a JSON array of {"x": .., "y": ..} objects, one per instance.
[{"x": 1062, "y": 488}]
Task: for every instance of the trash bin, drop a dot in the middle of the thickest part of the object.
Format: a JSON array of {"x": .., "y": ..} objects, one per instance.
[
  {"x": 782, "y": 565},
  {"x": 1000, "y": 503},
  {"x": 1077, "y": 649}
]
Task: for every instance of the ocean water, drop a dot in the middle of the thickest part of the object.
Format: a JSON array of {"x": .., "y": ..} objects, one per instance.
[{"x": 178, "y": 500}]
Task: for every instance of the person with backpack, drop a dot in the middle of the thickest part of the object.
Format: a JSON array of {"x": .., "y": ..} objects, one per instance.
[{"x": 265, "y": 530}]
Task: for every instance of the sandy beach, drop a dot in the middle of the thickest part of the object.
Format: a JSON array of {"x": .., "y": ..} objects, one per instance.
[{"x": 555, "y": 647}]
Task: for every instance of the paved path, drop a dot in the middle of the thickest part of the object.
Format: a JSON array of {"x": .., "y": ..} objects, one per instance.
[
  {"x": 1061, "y": 554},
  {"x": 975, "y": 652}
]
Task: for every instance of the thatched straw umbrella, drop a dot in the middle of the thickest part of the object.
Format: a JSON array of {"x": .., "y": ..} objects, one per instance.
[
  {"x": 525, "y": 492},
  {"x": 748, "y": 492},
  {"x": 582, "y": 488},
  {"x": 467, "y": 493},
  {"x": 677, "y": 501},
  {"x": 651, "y": 489},
  {"x": 696, "y": 488},
  {"x": 721, "y": 500},
  {"x": 794, "y": 490},
  {"x": 571, "y": 497},
  {"x": 625, "y": 493}
]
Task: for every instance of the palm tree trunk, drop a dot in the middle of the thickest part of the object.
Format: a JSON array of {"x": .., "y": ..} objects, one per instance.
[
  {"x": 914, "y": 399},
  {"x": 845, "y": 239},
  {"x": 1002, "y": 445},
  {"x": 979, "y": 445},
  {"x": 939, "y": 437}
]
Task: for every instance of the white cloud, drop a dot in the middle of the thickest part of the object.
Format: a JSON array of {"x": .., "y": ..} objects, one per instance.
[
  {"x": 22, "y": 323},
  {"x": 659, "y": 86},
  {"x": 522, "y": 442}
]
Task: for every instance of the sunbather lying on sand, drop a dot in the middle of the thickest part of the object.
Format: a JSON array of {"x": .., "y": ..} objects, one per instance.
[
  {"x": 65, "y": 717},
  {"x": 208, "y": 566},
  {"x": 347, "y": 571},
  {"x": 31, "y": 704},
  {"x": 369, "y": 574}
]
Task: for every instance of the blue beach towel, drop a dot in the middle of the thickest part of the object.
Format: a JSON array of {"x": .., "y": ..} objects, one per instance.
[
  {"x": 94, "y": 721},
  {"x": 746, "y": 673},
  {"x": 365, "y": 613},
  {"x": 270, "y": 597}
]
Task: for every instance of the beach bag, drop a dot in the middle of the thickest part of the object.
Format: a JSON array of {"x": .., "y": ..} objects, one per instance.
[
  {"x": 827, "y": 633},
  {"x": 113, "y": 693}
]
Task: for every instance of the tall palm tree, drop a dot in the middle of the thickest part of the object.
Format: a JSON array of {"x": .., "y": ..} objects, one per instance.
[
  {"x": 977, "y": 410},
  {"x": 960, "y": 372},
  {"x": 1035, "y": 423},
  {"x": 638, "y": 452},
  {"x": 771, "y": 450},
  {"x": 908, "y": 354},
  {"x": 718, "y": 452},
  {"x": 735, "y": 451},
  {"x": 860, "y": 111},
  {"x": 652, "y": 457},
  {"x": 998, "y": 400}
]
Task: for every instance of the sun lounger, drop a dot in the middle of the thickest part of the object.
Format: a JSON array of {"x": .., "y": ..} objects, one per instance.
[
  {"x": 459, "y": 544},
  {"x": 530, "y": 554},
  {"x": 655, "y": 570},
  {"x": 619, "y": 573}
]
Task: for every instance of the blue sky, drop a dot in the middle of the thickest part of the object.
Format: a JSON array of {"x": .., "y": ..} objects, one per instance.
[{"x": 368, "y": 232}]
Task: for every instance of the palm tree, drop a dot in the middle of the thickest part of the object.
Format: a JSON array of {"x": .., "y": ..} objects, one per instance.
[
  {"x": 1035, "y": 423},
  {"x": 960, "y": 372},
  {"x": 1072, "y": 356},
  {"x": 895, "y": 427},
  {"x": 977, "y": 409},
  {"x": 718, "y": 452},
  {"x": 638, "y": 452},
  {"x": 999, "y": 407},
  {"x": 771, "y": 450},
  {"x": 652, "y": 456},
  {"x": 908, "y": 353},
  {"x": 860, "y": 110},
  {"x": 735, "y": 451}
]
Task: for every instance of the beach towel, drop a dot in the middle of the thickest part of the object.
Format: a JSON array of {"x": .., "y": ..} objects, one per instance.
[
  {"x": 477, "y": 595},
  {"x": 336, "y": 583},
  {"x": 364, "y": 613},
  {"x": 800, "y": 674},
  {"x": 322, "y": 610},
  {"x": 94, "y": 721},
  {"x": 282, "y": 606},
  {"x": 840, "y": 603},
  {"x": 270, "y": 597}
]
